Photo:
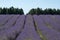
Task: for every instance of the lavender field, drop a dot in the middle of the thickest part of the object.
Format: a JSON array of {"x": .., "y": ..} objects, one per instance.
[{"x": 29, "y": 27}]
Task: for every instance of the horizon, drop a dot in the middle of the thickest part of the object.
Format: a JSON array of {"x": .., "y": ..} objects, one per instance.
[{"x": 26, "y": 5}]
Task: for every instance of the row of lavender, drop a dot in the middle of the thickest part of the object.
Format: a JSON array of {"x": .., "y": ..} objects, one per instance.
[
  {"x": 48, "y": 26},
  {"x": 21, "y": 27},
  {"x": 13, "y": 27},
  {"x": 52, "y": 21},
  {"x": 29, "y": 32}
]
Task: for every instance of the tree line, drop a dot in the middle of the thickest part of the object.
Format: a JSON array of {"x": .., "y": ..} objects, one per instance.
[
  {"x": 37, "y": 11},
  {"x": 47, "y": 11},
  {"x": 11, "y": 10}
]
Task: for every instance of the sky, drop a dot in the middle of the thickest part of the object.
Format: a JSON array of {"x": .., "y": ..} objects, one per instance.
[{"x": 26, "y": 5}]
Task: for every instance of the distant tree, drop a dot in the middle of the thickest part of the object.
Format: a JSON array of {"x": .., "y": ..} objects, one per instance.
[
  {"x": 32, "y": 11},
  {"x": 54, "y": 11},
  {"x": 7, "y": 11},
  {"x": 0, "y": 10},
  {"x": 45, "y": 11},
  {"x": 11, "y": 10},
  {"x": 15, "y": 11},
  {"x": 21, "y": 11},
  {"x": 39, "y": 11},
  {"x": 3, "y": 11},
  {"x": 50, "y": 11},
  {"x": 58, "y": 11}
]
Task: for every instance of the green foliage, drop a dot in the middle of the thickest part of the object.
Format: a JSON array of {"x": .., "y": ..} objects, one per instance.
[
  {"x": 0, "y": 10},
  {"x": 58, "y": 11},
  {"x": 46, "y": 11},
  {"x": 11, "y": 10},
  {"x": 37, "y": 11},
  {"x": 32, "y": 11}
]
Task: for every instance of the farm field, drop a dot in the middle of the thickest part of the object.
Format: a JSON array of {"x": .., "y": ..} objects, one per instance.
[{"x": 29, "y": 27}]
